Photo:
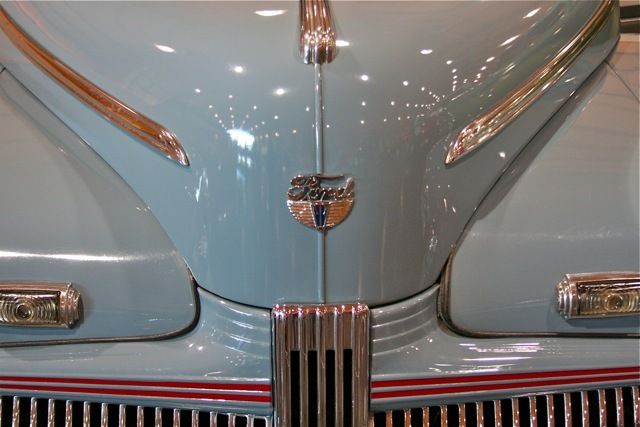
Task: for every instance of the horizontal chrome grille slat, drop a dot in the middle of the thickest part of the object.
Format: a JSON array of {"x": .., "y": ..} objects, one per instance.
[
  {"x": 618, "y": 406},
  {"x": 18, "y": 411}
]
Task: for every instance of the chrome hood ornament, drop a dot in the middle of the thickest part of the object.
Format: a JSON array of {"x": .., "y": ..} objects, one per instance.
[
  {"x": 320, "y": 207},
  {"x": 317, "y": 35}
]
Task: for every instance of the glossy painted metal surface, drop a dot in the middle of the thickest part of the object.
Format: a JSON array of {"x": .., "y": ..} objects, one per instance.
[
  {"x": 625, "y": 61},
  {"x": 223, "y": 364},
  {"x": 429, "y": 365},
  {"x": 244, "y": 112},
  {"x": 68, "y": 218},
  {"x": 484, "y": 128},
  {"x": 110, "y": 107},
  {"x": 226, "y": 214},
  {"x": 568, "y": 204},
  {"x": 390, "y": 122}
]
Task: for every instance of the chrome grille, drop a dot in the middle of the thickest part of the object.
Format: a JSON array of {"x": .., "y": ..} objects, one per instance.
[
  {"x": 603, "y": 407},
  {"x": 321, "y": 364},
  {"x": 35, "y": 412}
]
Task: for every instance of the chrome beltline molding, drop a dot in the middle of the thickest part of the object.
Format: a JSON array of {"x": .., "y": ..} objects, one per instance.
[
  {"x": 506, "y": 111},
  {"x": 110, "y": 107}
]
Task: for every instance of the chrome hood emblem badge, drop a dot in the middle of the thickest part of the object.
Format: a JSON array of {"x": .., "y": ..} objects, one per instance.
[{"x": 317, "y": 206}]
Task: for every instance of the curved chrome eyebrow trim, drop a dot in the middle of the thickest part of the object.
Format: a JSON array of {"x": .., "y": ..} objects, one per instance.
[
  {"x": 110, "y": 107},
  {"x": 491, "y": 123}
]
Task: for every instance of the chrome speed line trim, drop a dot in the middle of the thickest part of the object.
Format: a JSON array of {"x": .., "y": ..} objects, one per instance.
[
  {"x": 540, "y": 409},
  {"x": 110, "y": 107},
  {"x": 44, "y": 412},
  {"x": 515, "y": 103},
  {"x": 321, "y": 364},
  {"x": 317, "y": 35},
  {"x": 596, "y": 295},
  {"x": 39, "y": 304},
  {"x": 447, "y": 322}
]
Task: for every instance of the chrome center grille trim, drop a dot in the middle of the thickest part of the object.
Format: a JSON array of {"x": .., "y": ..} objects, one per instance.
[
  {"x": 321, "y": 365},
  {"x": 618, "y": 406},
  {"x": 17, "y": 411}
]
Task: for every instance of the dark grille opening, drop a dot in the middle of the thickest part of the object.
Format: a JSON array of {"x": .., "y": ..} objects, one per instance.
[
  {"x": 45, "y": 409},
  {"x": 295, "y": 389},
  {"x": 347, "y": 386},
  {"x": 618, "y": 408},
  {"x": 312, "y": 388},
  {"x": 330, "y": 381}
]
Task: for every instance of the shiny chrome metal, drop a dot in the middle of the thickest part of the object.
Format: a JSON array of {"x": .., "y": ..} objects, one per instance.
[
  {"x": 195, "y": 418},
  {"x": 122, "y": 415},
  {"x": 51, "y": 412},
  {"x": 317, "y": 35},
  {"x": 213, "y": 419},
  {"x": 602, "y": 408},
  {"x": 407, "y": 417},
  {"x": 462, "y": 416},
  {"x": 513, "y": 105},
  {"x": 444, "y": 417},
  {"x": 86, "y": 414},
  {"x": 425, "y": 417},
  {"x": 515, "y": 412},
  {"x": 479, "y": 414},
  {"x": 584, "y": 397},
  {"x": 497, "y": 412},
  {"x": 533, "y": 412},
  {"x": 320, "y": 207},
  {"x": 68, "y": 414},
  {"x": 619, "y": 407},
  {"x": 39, "y": 304},
  {"x": 551, "y": 422},
  {"x": 232, "y": 420},
  {"x": 139, "y": 416},
  {"x": 158, "y": 417},
  {"x": 15, "y": 413},
  {"x": 33, "y": 412},
  {"x": 321, "y": 328},
  {"x": 566, "y": 397},
  {"x": 388, "y": 418},
  {"x": 104, "y": 415},
  {"x": 635, "y": 396},
  {"x": 599, "y": 294},
  {"x": 176, "y": 418},
  {"x": 110, "y": 107}
]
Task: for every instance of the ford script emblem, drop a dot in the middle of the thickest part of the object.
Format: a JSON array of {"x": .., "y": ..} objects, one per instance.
[{"x": 317, "y": 206}]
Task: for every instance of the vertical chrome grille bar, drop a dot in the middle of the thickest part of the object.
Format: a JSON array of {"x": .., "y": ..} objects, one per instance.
[
  {"x": 635, "y": 395},
  {"x": 213, "y": 419},
  {"x": 139, "y": 416},
  {"x": 122, "y": 416},
  {"x": 619, "y": 407},
  {"x": 480, "y": 414},
  {"x": 584, "y": 397},
  {"x": 304, "y": 335},
  {"x": 158, "y": 418},
  {"x": 551, "y": 422},
  {"x": 195, "y": 419},
  {"x": 602, "y": 408},
  {"x": 250, "y": 421},
  {"x": 68, "y": 414},
  {"x": 533, "y": 412},
  {"x": 232, "y": 420},
  {"x": 425, "y": 417},
  {"x": 86, "y": 415},
  {"x": 176, "y": 418},
  {"x": 324, "y": 332},
  {"x": 567, "y": 409},
  {"x": 444, "y": 418},
  {"x": 33, "y": 412},
  {"x": 337, "y": 336},
  {"x": 51, "y": 412},
  {"x": 1, "y": 398},
  {"x": 15, "y": 414},
  {"x": 462, "y": 416},
  {"x": 497, "y": 412},
  {"x": 515, "y": 412},
  {"x": 104, "y": 415},
  {"x": 388, "y": 421}
]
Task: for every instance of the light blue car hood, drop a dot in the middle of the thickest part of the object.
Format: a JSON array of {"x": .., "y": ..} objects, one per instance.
[{"x": 226, "y": 78}]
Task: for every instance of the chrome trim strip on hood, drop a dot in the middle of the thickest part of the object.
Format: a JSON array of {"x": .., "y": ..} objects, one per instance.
[
  {"x": 110, "y": 107},
  {"x": 491, "y": 123},
  {"x": 317, "y": 36}
]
